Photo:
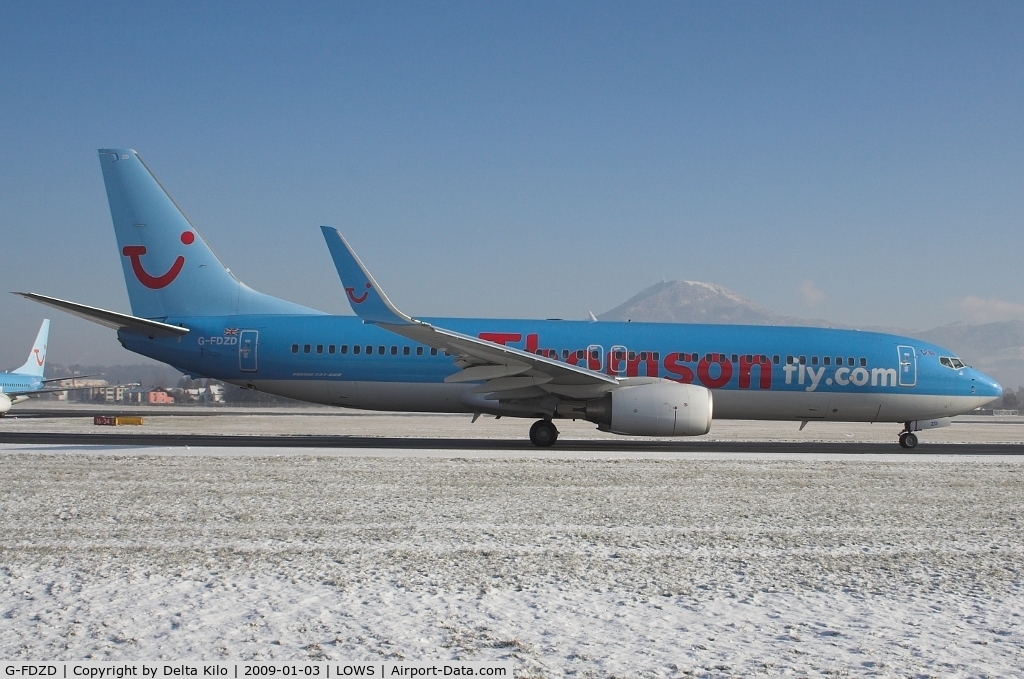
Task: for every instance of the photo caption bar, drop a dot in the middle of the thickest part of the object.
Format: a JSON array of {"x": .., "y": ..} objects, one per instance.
[{"x": 244, "y": 670}]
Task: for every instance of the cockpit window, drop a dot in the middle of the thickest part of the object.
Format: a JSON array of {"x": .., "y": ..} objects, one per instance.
[{"x": 951, "y": 362}]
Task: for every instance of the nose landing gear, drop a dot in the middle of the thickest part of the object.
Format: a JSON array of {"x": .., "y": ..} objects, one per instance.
[{"x": 543, "y": 434}]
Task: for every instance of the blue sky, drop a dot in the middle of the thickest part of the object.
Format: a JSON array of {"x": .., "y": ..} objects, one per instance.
[{"x": 859, "y": 162}]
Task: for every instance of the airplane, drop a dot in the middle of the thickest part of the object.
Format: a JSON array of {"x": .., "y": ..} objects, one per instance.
[
  {"x": 16, "y": 385},
  {"x": 639, "y": 379}
]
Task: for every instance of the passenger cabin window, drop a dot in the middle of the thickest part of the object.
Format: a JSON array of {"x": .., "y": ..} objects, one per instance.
[
  {"x": 863, "y": 362},
  {"x": 803, "y": 360},
  {"x": 295, "y": 348},
  {"x": 344, "y": 348},
  {"x": 394, "y": 350},
  {"x": 735, "y": 358},
  {"x": 814, "y": 360},
  {"x": 330, "y": 348},
  {"x": 775, "y": 359},
  {"x": 827, "y": 360},
  {"x": 433, "y": 351},
  {"x": 565, "y": 354},
  {"x": 419, "y": 351},
  {"x": 381, "y": 349},
  {"x": 305, "y": 348},
  {"x": 405, "y": 351},
  {"x": 319, "y": 348},
  {"x": 849, "y": 361},
  {"x": 356, "y": 348},
  {"x": 789, "y": 360},
  {"x": 369, "y": 348}
]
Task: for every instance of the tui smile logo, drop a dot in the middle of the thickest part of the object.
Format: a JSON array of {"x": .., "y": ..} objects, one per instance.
[
  {"x": 40, "y": 356},
  {"x": 351, "y": 292},
  {"x": 135, "y": 252}
]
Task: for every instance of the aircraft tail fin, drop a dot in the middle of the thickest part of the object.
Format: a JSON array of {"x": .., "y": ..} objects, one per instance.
[
  {"x": 169, "y": 269},
  {"x": 36, "y": 362}
]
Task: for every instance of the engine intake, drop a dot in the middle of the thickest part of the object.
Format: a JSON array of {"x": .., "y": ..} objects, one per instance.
[{"x": 657, "y": 408}]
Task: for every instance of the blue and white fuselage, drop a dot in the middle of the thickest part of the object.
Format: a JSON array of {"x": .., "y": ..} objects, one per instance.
[
  {"x": 755, "y": 372},
  {"x": 656, "y": 379}
]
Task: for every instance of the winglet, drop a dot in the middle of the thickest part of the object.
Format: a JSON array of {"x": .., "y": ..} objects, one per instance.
[{"x": 364, "y": 295}]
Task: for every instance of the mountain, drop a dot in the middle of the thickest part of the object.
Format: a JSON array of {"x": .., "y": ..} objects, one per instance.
[
  {"x": 994, "y": 348},
  {"x": 696, "y": 302}
]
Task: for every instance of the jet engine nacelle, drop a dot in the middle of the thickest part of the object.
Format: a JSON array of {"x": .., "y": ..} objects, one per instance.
[
  {"x": 654, "y": 408},
  {"x": 5, "y": 403}
]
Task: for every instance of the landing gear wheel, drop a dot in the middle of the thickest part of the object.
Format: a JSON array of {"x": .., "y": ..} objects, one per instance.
[
  {"x": 908, "y": 440},
  {"x": 543, "y": 434}
]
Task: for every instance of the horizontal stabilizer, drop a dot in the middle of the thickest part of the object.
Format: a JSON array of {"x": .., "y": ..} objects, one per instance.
[{"x": 110, "y": 319}]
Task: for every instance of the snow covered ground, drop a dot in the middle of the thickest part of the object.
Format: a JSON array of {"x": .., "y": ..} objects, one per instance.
[{"x": 672, "y": 565}]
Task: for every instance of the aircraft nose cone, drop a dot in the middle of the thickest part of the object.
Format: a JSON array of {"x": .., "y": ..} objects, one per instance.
[{"x": 986, "y": 386}]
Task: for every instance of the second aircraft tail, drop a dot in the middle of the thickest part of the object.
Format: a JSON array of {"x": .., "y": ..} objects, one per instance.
[{"x": 36, "y": 362}]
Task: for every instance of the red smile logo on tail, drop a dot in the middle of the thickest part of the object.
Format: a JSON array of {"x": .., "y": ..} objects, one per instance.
[
  {"x": 351, "y": 292},
  {"x": 40, "y": 357},
  {"x": 134, "y": 252}
]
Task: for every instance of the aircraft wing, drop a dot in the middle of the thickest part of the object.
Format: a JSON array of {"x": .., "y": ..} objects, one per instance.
[
  {"x": 110, "y": 319},
  {"x": 505, "y": 372},
  {"x": 52, "y": 390},
  {"x": 62, "y": 379}
]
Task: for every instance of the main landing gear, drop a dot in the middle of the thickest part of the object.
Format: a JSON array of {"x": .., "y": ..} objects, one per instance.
[
  {"x": 908, "y": 439},
  {"x": 543, "y": 433}
]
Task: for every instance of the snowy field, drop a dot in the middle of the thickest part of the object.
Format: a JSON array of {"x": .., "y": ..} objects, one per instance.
[{"x": 668, "y": 565}]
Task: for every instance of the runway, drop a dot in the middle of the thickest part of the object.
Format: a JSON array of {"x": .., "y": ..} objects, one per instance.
[{"x": 519, "y": 445}]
